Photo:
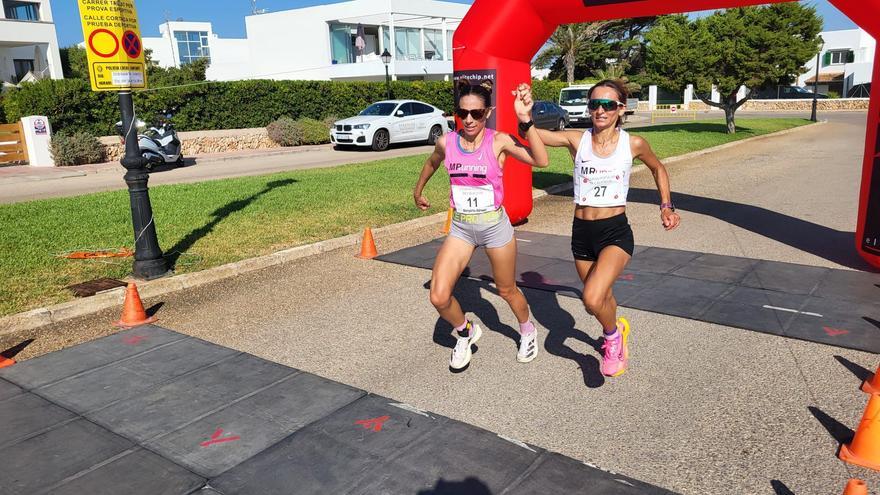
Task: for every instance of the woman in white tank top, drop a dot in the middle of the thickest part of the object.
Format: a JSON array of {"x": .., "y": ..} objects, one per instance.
[{"x": 601, "y": 239}]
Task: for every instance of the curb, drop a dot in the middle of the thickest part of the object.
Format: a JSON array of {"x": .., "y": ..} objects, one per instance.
[{"x": 40, "y": 317}]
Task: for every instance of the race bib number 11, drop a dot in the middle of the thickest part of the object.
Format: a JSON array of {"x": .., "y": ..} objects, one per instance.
[{"x": 473, "y": 199}]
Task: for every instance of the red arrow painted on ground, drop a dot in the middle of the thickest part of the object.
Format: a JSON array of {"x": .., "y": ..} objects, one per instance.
[
  {"x": 133, "y": 339},
  {"x": 375, "y": 423},
  {"x": 215, "y": 438},
  {"x": 834, "y": 332}
]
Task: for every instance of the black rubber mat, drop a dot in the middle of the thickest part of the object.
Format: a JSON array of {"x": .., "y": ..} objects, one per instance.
[
  {"x": 835, "y": 307},
  {"x": 151, "y": 411}
]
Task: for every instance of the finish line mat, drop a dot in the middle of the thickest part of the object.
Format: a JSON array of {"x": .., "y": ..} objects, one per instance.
[
  {"x": 151, "y": 411},
  {"x": 835, "y": 307}
]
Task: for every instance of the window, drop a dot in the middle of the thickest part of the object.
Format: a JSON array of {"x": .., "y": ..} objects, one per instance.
[
  {"x": 192, "y": 45},
  {"x": 22, "y": 11},
  {"x": 407, "y": 44},
  {"x": 837, "y": 57},
  {"x": 22, "y": 67},
  {"x": 406, "y": 108},
  {"x": 448, "y": 45},
  {"x": 421, "y": 108},
  {"x": 341, "y": 47},
  {"x": 433, "y": 44}
]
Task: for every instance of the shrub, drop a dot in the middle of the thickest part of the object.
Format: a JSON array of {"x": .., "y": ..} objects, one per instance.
[
  {"x": 833, "y": 94},
  {"x": 314, "y": 131},
  {"x": 76, "y": 148},
  {"x": 329, "y": 121},
  {"x": 71, "y": 104},
  {"x": 286, "y": 132}
]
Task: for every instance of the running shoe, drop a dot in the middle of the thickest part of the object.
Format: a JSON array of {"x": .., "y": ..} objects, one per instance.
[
  {"x": 461, "y": 353},
  {"x": 528, "y": 347},
  {"x": 615, "y": 356}
]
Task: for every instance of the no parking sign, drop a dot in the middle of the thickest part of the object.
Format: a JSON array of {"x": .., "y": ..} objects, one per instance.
[{"x": 113, "y": 45}]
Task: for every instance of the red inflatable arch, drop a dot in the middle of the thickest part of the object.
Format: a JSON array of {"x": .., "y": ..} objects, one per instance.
[{"x": 497, "y": 39}]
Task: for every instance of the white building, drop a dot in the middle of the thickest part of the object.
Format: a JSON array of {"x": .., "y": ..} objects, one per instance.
[
  {"x": 28, "y": 44},
  {"x": 321, "y": 42},
  {"x": 182, "y": 42},
  {"x": 835, "y": 72}
]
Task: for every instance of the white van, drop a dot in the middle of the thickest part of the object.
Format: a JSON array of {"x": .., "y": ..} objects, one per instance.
[{"x": 574, "y": 100}]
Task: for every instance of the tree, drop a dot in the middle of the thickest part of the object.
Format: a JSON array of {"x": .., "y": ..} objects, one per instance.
[
  {"x": 749, "y": 47},
  {"x": 622, "y": 40},
  {"x": 618, "y": 71},
  {"x": 566, "y": 42},
  {"x": 73, "y": 63}
]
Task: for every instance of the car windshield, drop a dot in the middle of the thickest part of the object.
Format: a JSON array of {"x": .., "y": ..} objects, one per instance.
[
  {"x": 574, "y": 96},
  {"x": 379, "y": 109}
]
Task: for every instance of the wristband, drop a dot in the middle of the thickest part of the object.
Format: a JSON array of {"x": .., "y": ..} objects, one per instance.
[
  {"x": 525, "y": 126},
  {"x": 667, "y": 205}
]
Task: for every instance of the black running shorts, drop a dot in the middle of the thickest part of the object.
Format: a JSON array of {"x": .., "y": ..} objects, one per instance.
[{"x": 590, "y": 237}]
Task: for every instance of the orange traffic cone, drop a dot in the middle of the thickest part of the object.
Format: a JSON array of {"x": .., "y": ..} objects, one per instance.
[
  {"x": 5, "y": 362},
  {"x": 448, "y": 221},
  {"x": 872, "y": 384},
  {"x": 864, "y": 450},
  {"x": 133, "y": 313},
  {"x": 855, "y": 487},
  {"x": 368, "y": 246}
]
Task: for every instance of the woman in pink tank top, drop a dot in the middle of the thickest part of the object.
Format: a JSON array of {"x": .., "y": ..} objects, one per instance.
[{"x": 474, "y": 158}]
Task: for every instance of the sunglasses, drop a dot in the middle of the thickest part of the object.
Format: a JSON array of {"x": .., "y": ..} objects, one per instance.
[
  {"x": 477, "y": 113},
  {"x": 608, "y": 105}
]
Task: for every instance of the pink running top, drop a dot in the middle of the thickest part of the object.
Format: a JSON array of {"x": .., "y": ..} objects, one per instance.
[{"x": 474, "y": 176}]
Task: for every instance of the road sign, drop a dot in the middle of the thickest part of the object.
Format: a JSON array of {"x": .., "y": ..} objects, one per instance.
[{"x": 113, "y": 44}]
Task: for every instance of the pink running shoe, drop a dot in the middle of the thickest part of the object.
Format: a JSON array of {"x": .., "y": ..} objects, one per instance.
[{"x": 616, "y": 353}]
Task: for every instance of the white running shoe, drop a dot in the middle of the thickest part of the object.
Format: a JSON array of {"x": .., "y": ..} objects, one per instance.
[
  {"x": 461, "y": 353},
  {"x": 528, "y": 347}
]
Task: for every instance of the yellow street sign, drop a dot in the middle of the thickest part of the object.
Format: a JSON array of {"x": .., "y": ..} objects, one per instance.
[{"x": 113, "y": 44}]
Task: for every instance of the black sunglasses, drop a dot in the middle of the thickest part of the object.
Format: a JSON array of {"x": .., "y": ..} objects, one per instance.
[
  {"x": 608, "y": 105},
  {"x": 477, "y": 113}
]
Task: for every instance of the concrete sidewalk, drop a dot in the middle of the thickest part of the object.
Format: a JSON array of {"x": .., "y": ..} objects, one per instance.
[{"x": 705, "y": 408}]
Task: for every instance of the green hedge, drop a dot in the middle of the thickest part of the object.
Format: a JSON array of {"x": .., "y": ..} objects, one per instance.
[{"x": 70, "y": 103}]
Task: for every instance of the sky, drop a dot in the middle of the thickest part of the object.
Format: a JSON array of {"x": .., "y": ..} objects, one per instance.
[{"x": 227, "y": 16}]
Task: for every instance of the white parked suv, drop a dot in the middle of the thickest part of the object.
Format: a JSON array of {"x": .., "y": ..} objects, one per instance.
[{"x": 390, "y": 121}]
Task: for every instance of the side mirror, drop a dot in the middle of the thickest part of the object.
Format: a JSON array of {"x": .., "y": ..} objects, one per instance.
[{"x": 398, "y": 113}]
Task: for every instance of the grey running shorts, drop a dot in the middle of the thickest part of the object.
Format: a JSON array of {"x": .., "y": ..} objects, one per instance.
[{"x": 489, "y": 235}]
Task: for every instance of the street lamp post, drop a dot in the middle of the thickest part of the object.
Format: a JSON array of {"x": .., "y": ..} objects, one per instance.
[
  {"x": 386, "y": 59},
  {"x": 148, "y": 260},
  {"x": 816, "y": 80}
]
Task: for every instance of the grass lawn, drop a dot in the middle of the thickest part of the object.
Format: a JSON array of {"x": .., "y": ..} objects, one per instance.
[{"x": 211, "y": 223}]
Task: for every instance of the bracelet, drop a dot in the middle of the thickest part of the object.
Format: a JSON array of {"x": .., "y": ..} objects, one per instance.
[{"x": 663, "y": 206}]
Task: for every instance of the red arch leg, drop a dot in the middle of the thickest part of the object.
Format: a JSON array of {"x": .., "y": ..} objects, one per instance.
[{"x": 868, "y": 226}]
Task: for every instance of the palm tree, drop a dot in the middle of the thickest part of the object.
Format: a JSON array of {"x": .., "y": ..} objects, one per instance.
[
  {"x": 618, "y": 71},
  {"x": 565, "y": 43}
]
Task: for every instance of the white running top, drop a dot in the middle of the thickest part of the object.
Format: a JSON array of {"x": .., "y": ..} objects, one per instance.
[{"x": 602, "y": 182}]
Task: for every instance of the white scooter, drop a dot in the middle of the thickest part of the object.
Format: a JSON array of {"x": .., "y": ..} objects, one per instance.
[{"x": 158, "y": 143}]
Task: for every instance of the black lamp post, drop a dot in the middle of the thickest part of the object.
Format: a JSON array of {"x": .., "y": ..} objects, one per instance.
[
  {"x": 148, "y": 260},
  {"x": 816, "y": 80},
  {"x": 386, "y": 59}
]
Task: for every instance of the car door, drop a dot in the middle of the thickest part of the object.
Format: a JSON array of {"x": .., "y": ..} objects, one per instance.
[
  {"x": 404, "y": 123},
  {"x": 539, "y": 114},
  {"x": 424, "y": 117}
]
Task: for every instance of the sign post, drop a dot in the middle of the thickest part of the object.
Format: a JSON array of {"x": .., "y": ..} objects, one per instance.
[{"x": 116, "y": 63}]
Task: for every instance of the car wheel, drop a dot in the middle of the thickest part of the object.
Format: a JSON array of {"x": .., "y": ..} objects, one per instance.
[
  {"x": 561, "y": 125},
  {"x": 435, "y": 134},
  {"x": 380, "y": 140}
]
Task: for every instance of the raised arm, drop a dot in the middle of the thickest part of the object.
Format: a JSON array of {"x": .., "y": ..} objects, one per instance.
[
  {"x": 535, "y": 154},
  {"x": 431, "y": 164},
  {"x": 642, "y": 150}
]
